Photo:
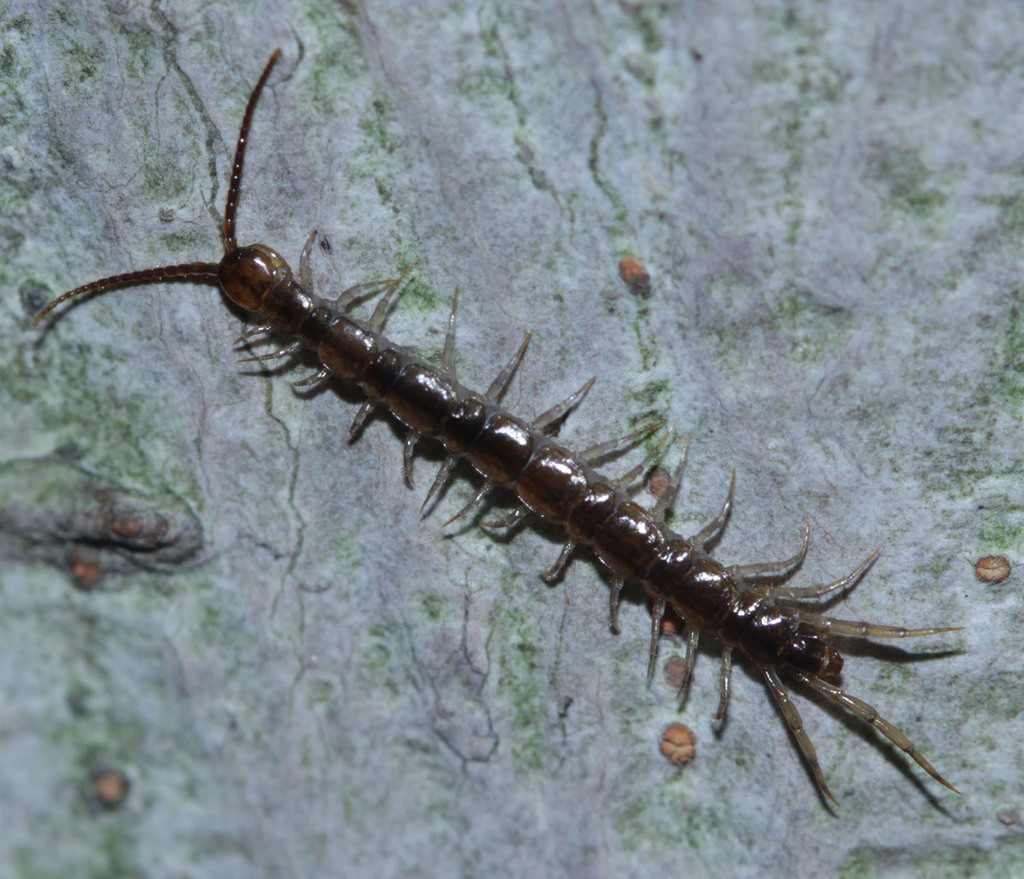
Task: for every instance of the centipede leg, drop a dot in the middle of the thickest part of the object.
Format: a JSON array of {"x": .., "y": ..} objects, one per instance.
[
  {"x": 250, "y": 333},
  {"x": 615, "y": 600},
  {"x": 287, "y": 351},
  {"x": 807, "y": 593},
  {"x": 444, "y": 473},
  {"x": 408, "y": 452},
  {"x": 478, "y": 499},
  {"x": 556, "y": 570},
  {"x": 548, "y": 421},
  {"x": 503, "y": 526},
  {"x": 360, "y": 419},
  {"x": 692, "y": 636},
  {"x": 592, "y": 454},
  {"x": 724, "y": 684},
  {"x": 448, "y": 352},
  {"x": 657, "y": 615},
  {"x": 500, "y": 384},
  {"x": 796, "y": 726},
  {"x": 311, "y": 381},
  {"x": 773, "y": 570},
  {"x": 350, "y": 295},
  {"x": 623, "y": 482},
  {"x": 870, "y": 715},
  {"x": 383, "y": 309},
  {"x": 666, "y": 498},
  {"x": 709, "y": 533},
  {"x": 305, "y": 265}
]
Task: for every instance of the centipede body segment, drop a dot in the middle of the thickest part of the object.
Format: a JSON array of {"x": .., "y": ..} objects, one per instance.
[{"x": 746, "y": 608}]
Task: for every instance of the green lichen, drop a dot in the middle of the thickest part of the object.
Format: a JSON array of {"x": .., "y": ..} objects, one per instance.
[{"x": 908, "y": 181}]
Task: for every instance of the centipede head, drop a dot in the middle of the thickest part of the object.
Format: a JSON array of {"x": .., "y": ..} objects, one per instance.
[
  {"x": 245, "y": 274},
  {"x": 248, "y": 274}
]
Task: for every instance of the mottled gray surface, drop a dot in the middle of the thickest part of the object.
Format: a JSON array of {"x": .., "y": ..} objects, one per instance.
[{"x": 307, "y": 680}]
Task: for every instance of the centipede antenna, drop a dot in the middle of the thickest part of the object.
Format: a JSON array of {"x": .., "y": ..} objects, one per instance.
[
  {"x": 498, "y": 387},
  {"x": 191, "y": 272},
  {"x": 230, "y": 242}
]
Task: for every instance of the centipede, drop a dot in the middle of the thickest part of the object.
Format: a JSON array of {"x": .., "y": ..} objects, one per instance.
[{"x": 747, "y": 609}]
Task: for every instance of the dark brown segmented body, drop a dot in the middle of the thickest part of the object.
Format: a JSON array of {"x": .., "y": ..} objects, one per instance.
[
  {"x": 545, "y": 476},
  {"x": 743, "y": 607}
]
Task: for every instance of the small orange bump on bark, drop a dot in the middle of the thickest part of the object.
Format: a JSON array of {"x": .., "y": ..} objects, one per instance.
[
  {"x": 992, "y": 569},
  {"x": 109, "y": 788},
  {"x": 86, "y": 572},
  {"x": 678, "y": 744},
  {"x": 658, "y": 481},
  {"x": 635, "y": 276}
]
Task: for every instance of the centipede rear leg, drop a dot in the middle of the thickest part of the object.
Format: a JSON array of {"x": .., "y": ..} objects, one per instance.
[
  {"x": 869, "y": 714},
  {"x": 861, "y": 629},
  {"x": 795, "y": 722}
]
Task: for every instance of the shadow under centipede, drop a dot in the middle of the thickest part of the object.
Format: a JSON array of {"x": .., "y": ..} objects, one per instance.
[{"x": 853, "y": 646}]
